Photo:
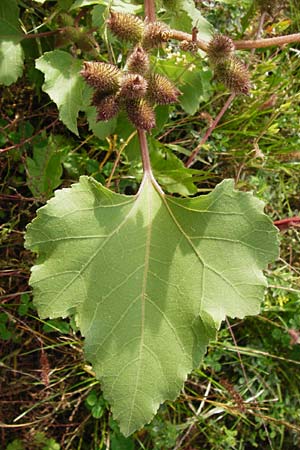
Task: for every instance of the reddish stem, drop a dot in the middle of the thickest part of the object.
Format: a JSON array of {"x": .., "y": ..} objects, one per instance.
[
  {"x": 150, "y": 10},
  {"x": 144, "y": 152},
  {"x": 267, "y": 42},
  {"x": 52, "y": 124},
  {"x": 209, "y": 131},
  {"x": 241, "y": 45},
  {"x": 283, "y": 224},
  {"x": 42, "y": 34}
]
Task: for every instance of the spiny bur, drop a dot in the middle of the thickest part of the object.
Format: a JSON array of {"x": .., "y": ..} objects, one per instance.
[
  {"x": 189, "y": 46},
  {"x": 107, "y": 107},
  {"x": 102, "y": 76},
  {"x": 133, "y": 86},
  {"x": 155, "y": 34},
  {"x": 138, "y": 61},
  {"x": 220, "y": 49},
  {"x": 162, "y": 91},
  {"x": 234, "y": 75},
  {"x": 141, "y": 114},
  {"x": 126, "y": 26}
]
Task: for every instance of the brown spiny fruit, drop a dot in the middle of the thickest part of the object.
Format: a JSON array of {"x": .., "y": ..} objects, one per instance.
[
  {"x": 98, "y": 96},
  {"x": 155, "y": 34},
  {"x": 126, "y": 26},
  {"x": 102, "y": 76},
  {"x": 235, "y": 76},
  {"x": 141, "y": 114},
  {"x": 220, "y": 49},
  {"x": 189, "y": 46},
  {"x": 107, "y": 107},
  {"x": 162, "y": 91},
  {"x": 133, "y": 86},
  {"x": 138, "y": 61}
]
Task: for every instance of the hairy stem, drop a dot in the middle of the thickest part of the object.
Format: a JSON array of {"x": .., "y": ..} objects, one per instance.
[
  {"x": 42, "y": 34},
  {"x": 182, "y": 36},
  {"x": 195, "y": 152},
  {"x": 150, "y": 10},
  {"x": 149, "y": 6},
  {"x": 241, "y": 45},
  {"x": 267, "y": 42},
  {"x": 144, "y": 152}
]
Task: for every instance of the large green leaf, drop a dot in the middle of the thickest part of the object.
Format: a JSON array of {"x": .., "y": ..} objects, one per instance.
[
  {"x": 11, "y": 53},
  {"x": 149, "y": 277}
]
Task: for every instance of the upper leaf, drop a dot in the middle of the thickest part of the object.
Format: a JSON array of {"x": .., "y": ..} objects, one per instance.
[
  {"x": 149, "y": 277},
  {"x": 184, "y": 15},
  {"x": 11, "y": 60},
  {"x": 66, "y": 87},
  {"x": 125, "y": 6},
  {"x": 63, "y": 84}
]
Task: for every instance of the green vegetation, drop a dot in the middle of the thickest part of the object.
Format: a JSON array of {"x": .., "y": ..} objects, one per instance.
[{"x": 245, "y": 395}]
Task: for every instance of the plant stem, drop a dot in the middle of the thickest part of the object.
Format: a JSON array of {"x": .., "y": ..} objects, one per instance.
[
  {"x": 195, "y": 152},
  {"x": 150, "y": 10},
  {"x": 182, "y": 36},
  {"x": 149, "y": 6},
  {"x": 241, "y": 45},
  {"x": 267, "y": 42},
  {"x": 260, "y": 26},
  {"x": 42, "y": 34},
  {"x": 29, "y": 139},
  {"x": 144, "y": 152}
]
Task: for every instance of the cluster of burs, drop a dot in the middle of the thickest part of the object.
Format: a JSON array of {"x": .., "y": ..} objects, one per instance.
[{"x": 136, "y": 88}]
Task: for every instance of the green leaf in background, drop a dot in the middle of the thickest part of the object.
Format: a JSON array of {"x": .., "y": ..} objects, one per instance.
[
  {"x": 11, "y": 53},
  {"x": 170, "y": 171},
  {"x": 100, "y": 129},
  {"x": 149, "y": 277},
  {"x": 117, "y": 440},
  {"x": 82, "y": 3},
  {"x": 16, "y": 444},
  {"x": 64, "y": 85},
  {"x": 184, "y": 15},
  {"x": 44, "y": 169},
  {"x": 190, "y": 76},
  {"x": 196, "y": 88},
  {"x": 125, "y": 6}
]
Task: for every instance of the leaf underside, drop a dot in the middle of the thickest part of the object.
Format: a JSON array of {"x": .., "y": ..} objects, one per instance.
[{"x": 150, "y": 277}]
